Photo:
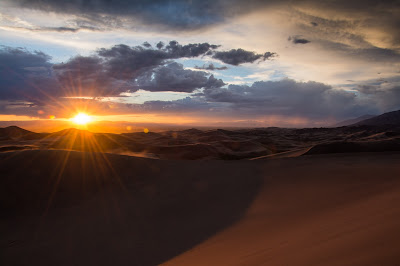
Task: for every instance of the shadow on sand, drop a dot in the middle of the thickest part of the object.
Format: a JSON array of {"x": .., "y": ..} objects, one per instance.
[{"x": 82, "y": 208}]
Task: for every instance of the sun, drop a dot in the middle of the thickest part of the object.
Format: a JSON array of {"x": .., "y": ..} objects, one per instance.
[{"x": 81, "y": 119}]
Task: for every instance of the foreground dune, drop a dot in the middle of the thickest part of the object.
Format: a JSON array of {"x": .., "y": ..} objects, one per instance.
[
  {"x": 314, "y": 211},
  {"x": 311, "y": 210}
]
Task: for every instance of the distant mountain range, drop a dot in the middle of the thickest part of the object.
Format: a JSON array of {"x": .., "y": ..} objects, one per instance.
[
  {"x": 386, "y": 119},
  {"x": 352, "y": 121},
  {"x": 390, "y": 118}
]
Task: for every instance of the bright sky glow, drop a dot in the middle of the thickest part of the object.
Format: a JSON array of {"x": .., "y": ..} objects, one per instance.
[{"x": 82, "y": 119}]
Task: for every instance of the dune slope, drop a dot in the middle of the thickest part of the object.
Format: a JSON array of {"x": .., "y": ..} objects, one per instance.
[
  {"x": 107, "y": 209},
  {"x": 81, "y": 208},
  {"x": 327, "y": 210}
]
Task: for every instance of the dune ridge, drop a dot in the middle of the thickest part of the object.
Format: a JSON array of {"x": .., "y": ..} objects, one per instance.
[{"x": 194, "y": 144}]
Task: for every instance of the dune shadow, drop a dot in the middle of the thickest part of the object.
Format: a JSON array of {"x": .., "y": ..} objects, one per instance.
[{"x": 80, "y": 208}]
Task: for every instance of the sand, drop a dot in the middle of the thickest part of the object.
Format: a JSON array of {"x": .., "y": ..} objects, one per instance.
[
  {"x": 315, "y": 211},
  {"x": 215, "y": 144},
  {"x": 107, "y": 209}
]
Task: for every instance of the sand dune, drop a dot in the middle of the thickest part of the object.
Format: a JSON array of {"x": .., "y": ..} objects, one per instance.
[
  {"x": 108, "y": 209},
  {"x": 194, "y": 144},
  {"x": 355, "y": 146},
  {"x": 285, "y": 154},
  {"x": 325, "y": 210},
  {"x": 82, "y": 208}
]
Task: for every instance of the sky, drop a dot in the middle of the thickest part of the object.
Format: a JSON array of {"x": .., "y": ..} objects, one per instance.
[{"x": 303, "y": 63}]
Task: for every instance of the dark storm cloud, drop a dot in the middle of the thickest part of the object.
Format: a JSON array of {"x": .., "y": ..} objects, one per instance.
[
  {"x": 173, "y": 77},
  {"x": 125, "y": 62},
  {"x": 176, "y": 50},
  {"x": 239, "y": 56},
  {"x": 29, "y": 84},
  {"x": 187, "y": 105},
  {"x": 210, "y": 67},
  {"x": 88, "y": 76},
  {"x": 288, "y": 97},
  {"x": 26, "y": 75},
  {"x": 298, "y": 40},
  {"x": 367, "y": 89},
  {"x": 180, "y": 14},
  {"x": 311, "y": 101},
  {"x": 109, "y": 72},
  {"x": 113, "y": 70},
  {"x": 196, "y": 14},
  {"x": 383, "y": 93}
]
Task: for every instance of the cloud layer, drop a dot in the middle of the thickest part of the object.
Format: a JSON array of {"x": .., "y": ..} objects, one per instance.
[
  {"x": 30, "y": 84},
  {"x": 26, "y": 75},
  {"x": 111, "y": 71},
  {"x": 364, "y": 17},
  {"x": 122, "y": 68}
]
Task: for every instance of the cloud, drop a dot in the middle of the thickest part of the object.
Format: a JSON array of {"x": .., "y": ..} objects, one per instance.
[
  {"x": 173, "y": 77},
  {"x": 109, "y": 71},
  {"x": 15, "y": 23},
  {"x": 29, "y": 83},
  {"x": 359, "y": 24},
  {"x": 288, "y": 97},
  {"x": 112, "y": 71},
  {"x": 146, "y": 44},
  {"x": 177, "y": 15},
  {"x": 186, "y": 105},
  {"x": 125, "y": 62},
  {"x": 26, "y": 75},
  {"x": 285, "y": 102},
  {"x": 211, "y": 67},
  {"x": 182, "y": 15},
  {"x": 160, "y": 45},
  {"x": 368, "y": 53},
  {"x": 298, "y": 40},
  {"x": 384, "y": 94},
  {"x": 239, "y": 56},
  {"x": 88, "y": 76},
  {"x": 54, "y": 29},
  {"x": 175, "y": 50}
]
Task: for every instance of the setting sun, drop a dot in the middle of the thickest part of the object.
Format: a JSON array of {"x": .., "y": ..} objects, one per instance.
[{"x": 81, "y": 119}]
